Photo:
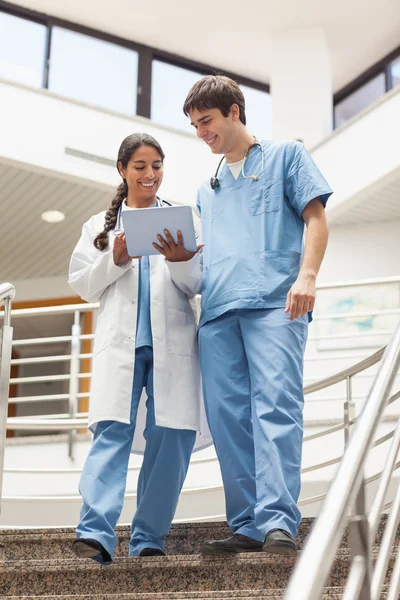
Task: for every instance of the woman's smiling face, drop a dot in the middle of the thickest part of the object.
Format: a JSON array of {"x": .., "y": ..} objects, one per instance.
[{"x": 143, "y": 174}]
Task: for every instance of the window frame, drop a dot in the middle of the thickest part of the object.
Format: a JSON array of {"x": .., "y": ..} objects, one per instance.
[
  {"x": 146, "y": 55},
  {"x": 380, "y": 67}
]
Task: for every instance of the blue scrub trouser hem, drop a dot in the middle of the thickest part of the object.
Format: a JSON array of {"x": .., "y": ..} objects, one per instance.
[
  {"x": 137, "y": 550},
  {"x": 255, "y": 534},
  {"x": 252, "y": 533},
  {"x": 99, "y": 538},
  {"x": 281, "y": 525}
]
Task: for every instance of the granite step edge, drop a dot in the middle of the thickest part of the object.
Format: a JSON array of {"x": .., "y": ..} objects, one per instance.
[
  {"x": 270, "y": 594},
  {"x": 274, "y": 594},
  {"x": 178, "y": 528},
  {"x": 189, "y": 530},
  {"x": 175, "y": 528},
  {"x": 158, "y": 562},
  {"x": 136, "y": 563}
]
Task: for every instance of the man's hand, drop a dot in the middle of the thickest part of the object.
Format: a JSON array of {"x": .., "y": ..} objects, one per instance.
[
  {"x": 174, "y": 252},
  {"x": 301, "y": 297},
  {"x": 120, "y": 251}
]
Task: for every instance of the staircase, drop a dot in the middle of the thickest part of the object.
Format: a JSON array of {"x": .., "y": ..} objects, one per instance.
[{"x": 39, "y": 564}]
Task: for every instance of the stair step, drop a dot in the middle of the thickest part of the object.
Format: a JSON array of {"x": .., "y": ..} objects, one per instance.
[
  {"x": 184, "y": 539},
  {"x": 329, "y": 594},
  {"x": 192, "y": 573},
  {"x": 333, "y": 593}
]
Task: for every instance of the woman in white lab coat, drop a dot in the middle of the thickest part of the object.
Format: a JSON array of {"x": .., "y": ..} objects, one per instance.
[{"x": 145, "y": 339}]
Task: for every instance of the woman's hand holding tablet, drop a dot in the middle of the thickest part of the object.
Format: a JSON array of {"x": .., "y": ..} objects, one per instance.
[{"x": 174, "y": 252}]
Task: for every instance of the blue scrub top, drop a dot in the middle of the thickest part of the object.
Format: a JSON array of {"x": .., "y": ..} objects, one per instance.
[
  {"x": 253, "y": 229},
  {"x": 144, "y": 336}
]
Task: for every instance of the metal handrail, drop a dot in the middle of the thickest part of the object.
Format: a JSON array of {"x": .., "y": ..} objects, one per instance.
[
  {"x": 366, "y": 363},
  {"x": 46, "y": 310},
  {"x": 29, "y": 424},
  {"x": 59, "y": 423},
  {"x": 309, "y": 389},
  {"x": 7, "y": 295},
  {"x": 347, "y": 488},
  {"x": 358, "y": 283}
]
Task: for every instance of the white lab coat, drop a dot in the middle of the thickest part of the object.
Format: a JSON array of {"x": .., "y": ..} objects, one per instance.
[{"x": 177, "y": 385}]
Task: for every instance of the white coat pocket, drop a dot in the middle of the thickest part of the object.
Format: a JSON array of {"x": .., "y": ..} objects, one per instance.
[
  {"x": 182, "y": 335},
  {"x": 265, "y": 196},
  {"x": 102, "y": 334}
]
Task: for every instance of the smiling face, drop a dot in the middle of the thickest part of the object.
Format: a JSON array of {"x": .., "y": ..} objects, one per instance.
[
  {"x": 217, "y": 131},
  {"x": 143, "y": 175}
]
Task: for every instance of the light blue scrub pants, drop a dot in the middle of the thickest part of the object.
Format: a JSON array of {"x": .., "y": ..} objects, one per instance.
[
  {"x": 252, "y": 370},
  {"x": 103, "y": 482}
]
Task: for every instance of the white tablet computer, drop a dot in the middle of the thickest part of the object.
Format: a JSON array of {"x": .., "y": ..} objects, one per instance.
[{"x": 142, "y": 226}]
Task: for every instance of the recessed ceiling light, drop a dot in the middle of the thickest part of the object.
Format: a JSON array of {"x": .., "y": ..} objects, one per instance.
[{"x": 53, "y": 216}]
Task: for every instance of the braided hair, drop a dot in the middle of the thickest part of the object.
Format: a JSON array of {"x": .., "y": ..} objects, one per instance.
[{"x": 127, "y": 149}]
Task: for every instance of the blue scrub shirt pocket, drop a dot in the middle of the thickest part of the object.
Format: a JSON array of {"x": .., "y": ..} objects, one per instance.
[{"x": 265, "y": 196}]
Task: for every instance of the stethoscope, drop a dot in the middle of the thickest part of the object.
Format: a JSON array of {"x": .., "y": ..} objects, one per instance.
[
  {"x": 117, "y": 231},
  {"x": 214, "y": 181}
]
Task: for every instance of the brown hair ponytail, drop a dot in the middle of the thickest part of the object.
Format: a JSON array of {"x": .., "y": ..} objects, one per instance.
[
  {"x": 101, "y": 240},
  {"x": 126, "y": 150}
]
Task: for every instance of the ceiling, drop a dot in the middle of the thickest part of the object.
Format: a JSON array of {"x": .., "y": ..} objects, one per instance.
[
  {"x": 368, "y": 206},
  {"x": 31, "y": 247},
  {"x": 236, "y": 36}
]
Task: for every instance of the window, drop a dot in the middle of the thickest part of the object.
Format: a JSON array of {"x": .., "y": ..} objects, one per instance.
[
  {"x": 94, "y": 71},
  {"x": 360, "y": 99},
  {"x": 22, "y": 50},
  {"x": 169, "y": 88},
  {"x": 395, "y": 72},
  {"x": 258, "y": 112}
]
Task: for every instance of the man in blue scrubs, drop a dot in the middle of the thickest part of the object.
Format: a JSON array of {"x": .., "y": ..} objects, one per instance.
[{"x": 258, "y": 292}]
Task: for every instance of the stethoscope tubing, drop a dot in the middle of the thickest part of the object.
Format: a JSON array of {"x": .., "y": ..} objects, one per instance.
[
  {"x": 117, "y": 231},
  {"x": 214, "y": 181}
]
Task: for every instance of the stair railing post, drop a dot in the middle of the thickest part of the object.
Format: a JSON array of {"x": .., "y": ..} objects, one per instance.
[
  {"x": 359, "y": 540},
  {"x": 74, "y": 379},
  {"x": 349, "y": 410},
  {"x": 6, "y": 334}
]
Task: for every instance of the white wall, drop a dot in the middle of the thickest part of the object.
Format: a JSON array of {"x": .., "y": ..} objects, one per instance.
[
  {"x": 362, "y": 252},
  {"x": 361, "y": 153},
  {"x": 44, "y": 125},
  {"x": 301, "y": 85}
]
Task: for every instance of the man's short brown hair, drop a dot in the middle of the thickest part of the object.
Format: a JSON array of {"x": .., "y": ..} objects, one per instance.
[{"x": 216, "y": 91}]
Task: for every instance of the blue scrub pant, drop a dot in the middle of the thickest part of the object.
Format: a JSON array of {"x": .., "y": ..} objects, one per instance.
[
  {"x": 103, "y": 482},
  {"x": 252, "y": 370}
]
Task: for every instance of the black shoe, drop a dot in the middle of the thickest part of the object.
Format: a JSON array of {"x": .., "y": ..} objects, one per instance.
[
  {"x": 235, "y": 543},
  {"x": 152, "y": 552},
  {"x": 90, "y": 548},
  {"x": 279, "y": 541}
]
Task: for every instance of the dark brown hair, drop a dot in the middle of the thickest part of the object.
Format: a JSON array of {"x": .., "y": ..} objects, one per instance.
[
  {"x": 127, "y": 149},
  {"x": 216, "y": 91}
]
